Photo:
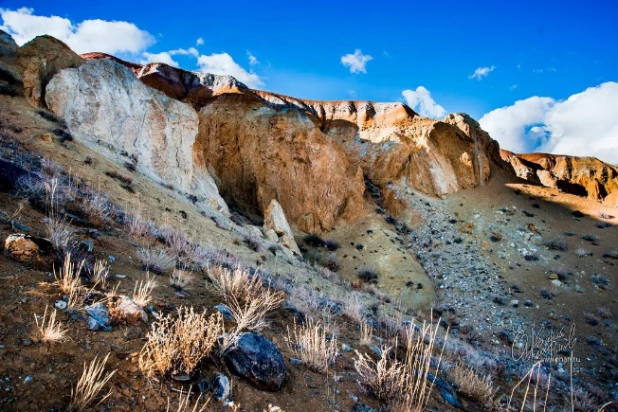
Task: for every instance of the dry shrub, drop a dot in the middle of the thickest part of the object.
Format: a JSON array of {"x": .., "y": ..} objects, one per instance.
[
  {"x": 251, "y": 314},
  {"x": 90, "y": 384},
  {"x": 403, "y": 383},
  {"x": 236, "y": 284},
  {"x": 353, "y": 307},
  {"x": 180, "y": 279},
  {"x": 48, "y": 329},
  {"x": 142, "y": 292},
  {"x": 310, "y": 344},
  {"x": 155, "y": 260},
  {"x": 177, "y": 345},
  {"x": 58, "y": 230},
  {"x": 472, "y": 384}
]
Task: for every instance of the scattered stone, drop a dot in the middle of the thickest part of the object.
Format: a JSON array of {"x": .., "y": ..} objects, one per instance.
[
  {"x": 257, "y": 359},
  {"x": 28, "y": 379},
  {"x": 296, "y": 362},
  {"x": 553, "y": 276},
  {"x": 98, "y": 317},
  {"x": 221, "y": 388},
  {"x": 346, "y": 348},
  {"x": 446, "y": 390},
  {"x": 60, "y": 304},
  {"x": 225, "y": 311},
  {"x": 360, "y": 407}
]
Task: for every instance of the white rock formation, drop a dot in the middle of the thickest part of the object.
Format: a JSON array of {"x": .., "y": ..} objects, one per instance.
[
  {"x": 276, "y": 227},
  {"x": 110, "y": 110}
]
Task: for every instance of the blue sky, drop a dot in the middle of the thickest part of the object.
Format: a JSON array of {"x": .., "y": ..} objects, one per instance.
[{"x": 526, "y": 49}]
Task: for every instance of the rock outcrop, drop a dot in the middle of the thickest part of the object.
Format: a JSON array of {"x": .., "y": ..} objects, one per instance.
[
  {"x": 581, "y": 176},
  {"x": 40, "y": 59},
  {"x": 313, "y": 157},
  {"x": 108, "y": 109},
  {"x": 277, "y": 228}
]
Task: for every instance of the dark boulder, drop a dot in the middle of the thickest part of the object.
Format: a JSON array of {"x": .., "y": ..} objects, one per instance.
[{"x": 257, "y": 359}]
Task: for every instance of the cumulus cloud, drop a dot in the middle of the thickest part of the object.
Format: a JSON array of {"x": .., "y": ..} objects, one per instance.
[
  {"x": 481, "y": 72},
  {"x": 585, "y": 124},
  {"x": 421, "y": 101},
  {"x": 222, "y": 63},
  {"x": 356, "y": 62},
  {"x": 87, "y": 36},
  {"x": 199, "y": 41}
]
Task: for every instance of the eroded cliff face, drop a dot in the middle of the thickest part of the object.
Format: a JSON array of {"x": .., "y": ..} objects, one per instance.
[
  {"x": 581, "y": 176},
  {"x": 108, "y": 109},
  {"x": 312, "y": 156},
  {"x": 260, "y": 154}
]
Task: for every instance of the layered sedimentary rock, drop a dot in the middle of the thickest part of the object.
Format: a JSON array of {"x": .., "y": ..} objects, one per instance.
[
  {"x": 108, "y": 109},
  {"x": 40, "y": 60},
  {"x": 582, "y": 176}
]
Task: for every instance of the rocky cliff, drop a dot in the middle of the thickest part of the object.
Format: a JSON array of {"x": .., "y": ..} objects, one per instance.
[
  {"x": 313, "y": 156},
  {"x": 581, "y": 176},
  {"x": 208, "y": 134}
]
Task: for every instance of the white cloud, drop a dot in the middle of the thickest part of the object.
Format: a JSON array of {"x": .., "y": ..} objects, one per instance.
[
  {"x": 356, "y": 62},
  {"x": 585, "y": 124},
  {"x": 252, "y": 59},
  {"x": 191, "y": 51},
  {"x": 222, "y": 63},
  {"x": 87, "y": 36},
  {"x": 481, "y": 72},
  {"x": 163, "y": 57},
  {"x": 199, "y": 41},
  {"x": 420, "y": 100}
]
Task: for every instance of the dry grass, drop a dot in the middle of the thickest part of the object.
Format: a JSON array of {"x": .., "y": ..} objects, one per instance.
[
  {"x": 100, "y": 273},
  {"x": 181, "y": 279},
  {"x": 58, "y": 230},
  {"x": 90, "y": 384},
  {"x": 402, "y": 382},
  {"x": 309, "y": 343},
  {"x": 184, "y": 403},
  {"x": 251, "y": 315},
  {"x": 68, "y": 278},
  {"x": 472, "y": 384},
  {"x": 177, "y": 345},
  {"x": 49, "y": 329},
  {"x": 155, "y": 260},
  {"x": 366, "y": 333},
  {"x": 142, "y": 292}
]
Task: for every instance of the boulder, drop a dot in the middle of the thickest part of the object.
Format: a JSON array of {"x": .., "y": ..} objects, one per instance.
[
  {"x": 30, "y": 249},
  {"x": 109, "y": 110},
  {"x": 257, "y": 359},
  {"x": 40, "y": 59},
  {"x": 275, "y": 222},
  {"x": 130, "y": 312}
]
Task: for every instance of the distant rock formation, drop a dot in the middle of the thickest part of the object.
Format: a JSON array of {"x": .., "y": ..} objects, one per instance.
[
  {"x": 108, "y": 109},
  {"x": 581, "y": 176}
]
